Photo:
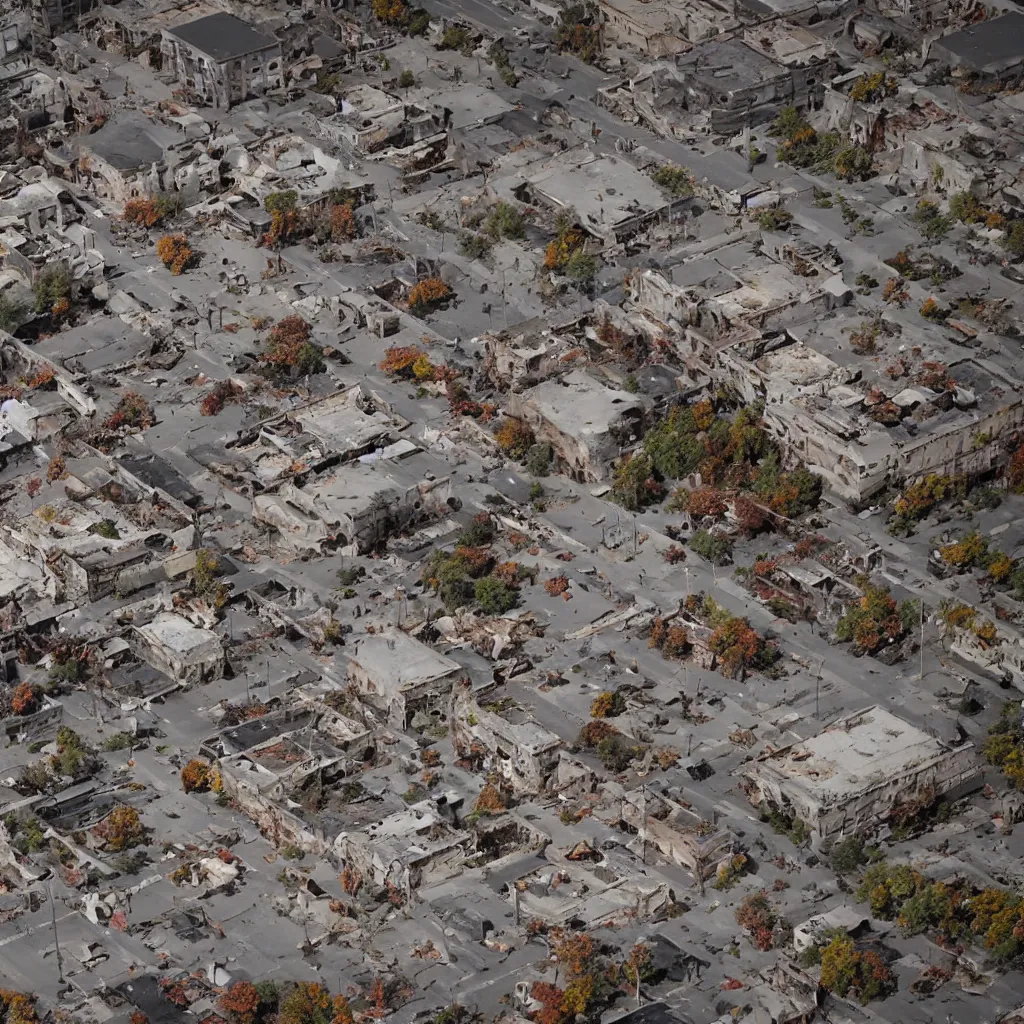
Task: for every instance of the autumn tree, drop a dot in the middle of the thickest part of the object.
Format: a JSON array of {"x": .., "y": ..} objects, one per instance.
[
  {"x": 175, "y": 253},
  {"x": 427, "y": 294},
  {"x": 343, "y": 223},
  {"x": 307, "y": 1003},
  {"x": 122, "y": 829},
  {"x": 289, "y": 352},
  {"x": 240, "y": 1002},
  {"x": 196, "y": 776}
]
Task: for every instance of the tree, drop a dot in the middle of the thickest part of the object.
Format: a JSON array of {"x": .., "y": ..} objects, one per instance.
[
  {"x": 608, "y": 704},
  {"x": 635, "y": 483},
  {"x": 307, "y": 1003},
  {"x": 844, "y": 970},
  {"x": 343, "y": 223},
  {"x": 495, "y": 597},
  {"x": 175, "y": 253},
  {"x": 289, "y": 352},
  {"x": 756, "y": 917},
  {"x": 515, "y": 438},
  {"x": 240, "y": 1002},
  {"x": 578, "y": 33},
  {"x": 715, "y": 548},
  {"x": 427, "y": 294},
  {"x": 406, "y": 80},
  {"x": 122, "y": 829},
  {"x": 196, "y": 776},
  {"x": 639, "y": 965}
]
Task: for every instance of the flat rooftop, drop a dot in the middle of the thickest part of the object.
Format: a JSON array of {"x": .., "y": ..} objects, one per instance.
[
  {"x": 854, "y": 754},
  {"x": 987, "y": 46},
  {"x": 222, "y": 36},
  {"x": 400, "y": 660},
  {"x": 580, "y": 405}
]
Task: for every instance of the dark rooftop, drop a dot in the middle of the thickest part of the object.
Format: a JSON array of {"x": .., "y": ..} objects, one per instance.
[
  {"x": 988, "y": 46},
  {"x": 222, "y": 36}
]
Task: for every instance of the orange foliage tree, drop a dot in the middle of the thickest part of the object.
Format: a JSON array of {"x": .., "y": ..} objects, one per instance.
[
  {"x": 737, "y": 645},
  {"x": 289, "y": 349},
  {"x": 196, "y": 776},
  {"x": 343, "y": 223},
  {"x": 148, "y": 213},
  {"x": 175, "y": 253},
  {"x": 122, "y": 828},
  {"x": 514, "y": 438},
  {"x": 427, "y": 294},
  {"x": 706, "y": 501},
  {"x": 240, "y": 1002},
  {"x": 25, "y": 699}
]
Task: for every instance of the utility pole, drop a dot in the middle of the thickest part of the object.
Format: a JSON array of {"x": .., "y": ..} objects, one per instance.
[
  {"x": 920, "y": 673},
  {"x": 643, "y": 830},
  {"x": 56, "y": 941}
]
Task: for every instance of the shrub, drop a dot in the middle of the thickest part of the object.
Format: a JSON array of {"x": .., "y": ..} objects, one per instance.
[
  {"x": 777, "y": 219},
  {"x": 12, "y": 313},
  {"x": 474, "y": 246},
  {"x": 490, "y": 800},
  {"x": 457, "y": 37},
  {"x": 284, "y": 201},
  {"x": 930, "y": 222},
  {"x": 406, "y": 80},
  {"x": 427, "y": 294},
  {"x": 539, "y": 458},
  {"x": 25, "y": 699},
  {"x": 481, "y": 530},
  {"x": 505, "y": 221},
  {"x": 617, "y": 753},
  {"x": 223, "y": 392},
  {"x": 847, "y": 855},
  {"x": 175, "y": 253},
  {"x": 566, "y": 242},
  {"x": 704, "y": 501},
  {"x": 594, "y": 732},
  {"x": 675, "y": 180},
  {"x": 873, "y": 86},
  {"x": 52, "y": 286}
]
